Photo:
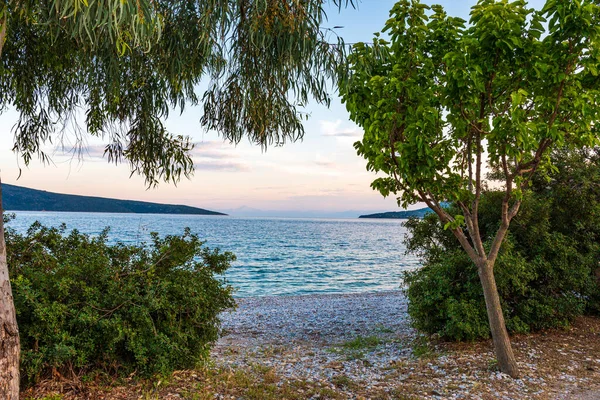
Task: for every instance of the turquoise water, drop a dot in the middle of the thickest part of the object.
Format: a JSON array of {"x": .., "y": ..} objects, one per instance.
[{"x": 275, "y": 256}]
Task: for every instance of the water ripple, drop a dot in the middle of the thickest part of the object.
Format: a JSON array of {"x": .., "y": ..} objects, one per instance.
[{"x": 274, "y": 256}]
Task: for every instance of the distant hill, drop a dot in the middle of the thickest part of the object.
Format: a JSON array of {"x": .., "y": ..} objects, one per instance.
[
  {"x": 257, "y": 213},
  {"x": 18, "y": 198},
  {"x": 420, "y": 213}
]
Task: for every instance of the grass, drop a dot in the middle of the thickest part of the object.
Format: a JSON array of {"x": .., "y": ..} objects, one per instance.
[
  {"x": 270, "y": 350},
  {"x": 380, "y": 328},
  {"x": 493, "y": 365},
  {"x": 362, "y": 343},
  {"x": 50, "y": 397},
  {"x": 355, "y": 349},
  {"x": 423, "y": 348},
  {"x": 344, "y": 382},
  {"x": 258, "y": 382}
]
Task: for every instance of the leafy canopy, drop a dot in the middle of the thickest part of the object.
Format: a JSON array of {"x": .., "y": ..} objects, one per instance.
[
  {"x": 441, "y": 100},
  {"x": 125, "y": 64},
  {"x": 439, "y": 95}
]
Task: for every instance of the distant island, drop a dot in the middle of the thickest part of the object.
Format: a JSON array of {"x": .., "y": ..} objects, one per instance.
[
  {"x": 18, "y": 198},
  {"x": 420, "y": 213}
]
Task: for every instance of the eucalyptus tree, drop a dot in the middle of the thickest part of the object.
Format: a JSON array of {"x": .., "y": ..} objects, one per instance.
[
  {"x": 115, "y": 69},
  {"x": 441, "y": 100}
]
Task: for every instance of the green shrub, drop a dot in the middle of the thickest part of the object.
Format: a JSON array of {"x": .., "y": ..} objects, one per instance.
[
  {"x": 546, "y": 270},
  {"x": 85, "y": 305}
]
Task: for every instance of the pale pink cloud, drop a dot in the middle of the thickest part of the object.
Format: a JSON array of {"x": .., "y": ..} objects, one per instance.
[
  {"x": 335, "y": 129},
  {"x": 219, "y": 165}
]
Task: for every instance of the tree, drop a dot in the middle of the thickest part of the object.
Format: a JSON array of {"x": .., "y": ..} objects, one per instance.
[
  {"x": 442, "y": 99},
  {"x": 546, "y": 268},
  {"x": 127, "y": 63}
]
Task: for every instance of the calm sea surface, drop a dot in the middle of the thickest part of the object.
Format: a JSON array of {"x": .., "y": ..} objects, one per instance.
[{"x": 275, "y": 256}]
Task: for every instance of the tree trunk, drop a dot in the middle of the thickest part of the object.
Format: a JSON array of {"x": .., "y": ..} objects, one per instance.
[
  {"x": 504, "y": 353},
  {"x": 9, "y": 332}
]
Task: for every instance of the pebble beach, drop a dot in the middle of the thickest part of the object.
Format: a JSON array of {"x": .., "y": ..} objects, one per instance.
[
  {"x": 358, "y": 346},
  {"x": 363, "y": 346}
]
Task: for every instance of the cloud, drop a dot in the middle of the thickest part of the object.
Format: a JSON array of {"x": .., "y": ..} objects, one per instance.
[
  {"x": 321, "y": 193},
  {"x": 325, "y": 162},
  {"x": 218, "y": 165},
  {"x": 211, "y": 149},
  {"x": 207, "y": 156},
  {"x": 335, "y": 129},
  {"x": 271, "y": 188},
  {"x": 210, "y": 144},
  {"x": 214, "y": 155},
  {"x": 80, "y": 151},
  {"x": 214, "y": 150}
]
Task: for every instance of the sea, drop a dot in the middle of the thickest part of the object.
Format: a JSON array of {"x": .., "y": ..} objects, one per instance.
[{"x": 275, "y": 256}]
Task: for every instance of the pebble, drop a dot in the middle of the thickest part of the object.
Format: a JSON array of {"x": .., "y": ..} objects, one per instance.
[{"x": 311, "y": 338}]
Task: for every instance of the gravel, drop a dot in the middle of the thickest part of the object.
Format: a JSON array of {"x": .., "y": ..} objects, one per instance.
[
  {"x": 362, "y": 345},
  {"x": 319, "y": 337},
  {"x": 323, "y": 318}
]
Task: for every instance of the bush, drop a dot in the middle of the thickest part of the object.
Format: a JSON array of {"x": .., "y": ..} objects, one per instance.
[
  {"x": 546, "y": 270},
  {"x": 83, "y": 304}
]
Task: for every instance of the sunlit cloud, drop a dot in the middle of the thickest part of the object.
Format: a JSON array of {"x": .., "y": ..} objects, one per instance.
[
  {"x": 218, "y": 165},
  {"x": 80, "y": 151},
  {"x": 212, "y": 149},
  {"x": 210, "y": 144},
  {"x": 214, "y": 155},
  {"x": 335, "y": 129},
  {"x": 325, "y": 162}
]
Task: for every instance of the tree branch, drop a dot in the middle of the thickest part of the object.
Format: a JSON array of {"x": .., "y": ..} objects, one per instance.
[
  {"x": 468, "y": 220},
  {"x": 458, "y": 232},
  {"x": 501, "y": 233},
  {"x": 476, "y": 234},
  {"x": 3, "y": 33}
]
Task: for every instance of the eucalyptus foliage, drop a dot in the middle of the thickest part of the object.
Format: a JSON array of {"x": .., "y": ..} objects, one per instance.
[
  {"x": 440, "y": 100},
  {"x": 125, "y": 65},
  {"x": 115, "y": 69}
]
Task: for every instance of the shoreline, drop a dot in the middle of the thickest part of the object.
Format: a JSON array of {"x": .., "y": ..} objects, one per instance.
[{"x": 321, "y": 294}]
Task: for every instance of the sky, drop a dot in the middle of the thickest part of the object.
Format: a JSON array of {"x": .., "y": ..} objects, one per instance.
[{"x": 321, "y": 173}]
